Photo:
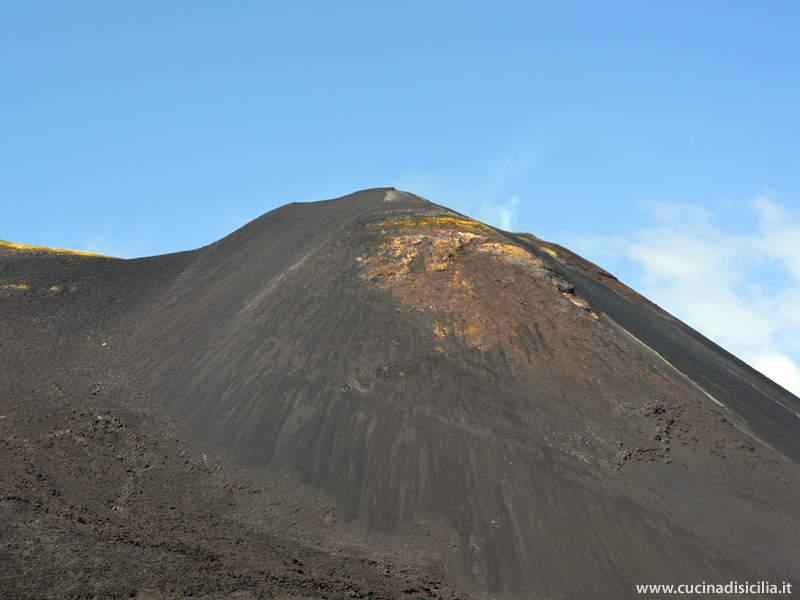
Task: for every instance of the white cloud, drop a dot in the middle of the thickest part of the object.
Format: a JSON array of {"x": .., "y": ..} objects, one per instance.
[
  {"x": 780, "y": 233},
  {"x": 739, "y": 288},
  {"x": 780, "y": 368}
]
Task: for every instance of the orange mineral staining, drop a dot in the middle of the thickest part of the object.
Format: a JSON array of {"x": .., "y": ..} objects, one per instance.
[{"x": 463, "y": 274}]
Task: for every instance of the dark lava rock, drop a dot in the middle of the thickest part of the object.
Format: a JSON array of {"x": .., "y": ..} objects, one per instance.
[{"x": 375, "y": 396}]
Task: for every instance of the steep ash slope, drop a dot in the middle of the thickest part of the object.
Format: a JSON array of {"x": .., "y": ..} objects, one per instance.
[
  {"x": 101, "y": 497},
  {"x": 423, "y": 368}
]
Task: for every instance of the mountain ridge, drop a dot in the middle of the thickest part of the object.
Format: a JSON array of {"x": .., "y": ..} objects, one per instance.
[{"x": 425, "y": 372}]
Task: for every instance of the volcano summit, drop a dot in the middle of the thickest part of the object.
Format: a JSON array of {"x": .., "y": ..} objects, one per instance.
[{"x": 375, "y": 396}]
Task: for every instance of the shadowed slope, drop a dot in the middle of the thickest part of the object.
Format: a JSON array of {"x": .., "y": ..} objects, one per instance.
[
  {"x": 766, "y": 409},
  {"x": 419, "y": 365}
]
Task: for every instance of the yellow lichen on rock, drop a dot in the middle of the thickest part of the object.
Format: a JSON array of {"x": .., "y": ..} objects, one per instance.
[
  {"x": 513, "y": 254},
  {"x": 549, "y": 251},
  {"x": 439, "y": 222},
  {"x": 579, "y": 302},
  {"x": 26, "y": 247}
]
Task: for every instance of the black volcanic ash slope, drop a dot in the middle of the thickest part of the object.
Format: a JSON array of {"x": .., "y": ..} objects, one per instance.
[
  {"x": 472, "y": 411},
  {"x": 419, "y": 366},
  {"x": 100, "y": 496}
]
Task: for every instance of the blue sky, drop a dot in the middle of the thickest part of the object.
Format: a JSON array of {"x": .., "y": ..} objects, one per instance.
[{"x": 659, "y": 139}]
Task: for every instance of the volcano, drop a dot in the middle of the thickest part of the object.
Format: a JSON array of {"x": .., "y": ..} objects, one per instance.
[{"x": 376, "y": 396}]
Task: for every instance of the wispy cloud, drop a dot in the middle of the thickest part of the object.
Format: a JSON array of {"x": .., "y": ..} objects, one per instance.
[
  {"x": 489, "y": 198},
  {"x": 740, "y": 287},
  {"x": 497, "y": 207},
  {"x": 500, "y": 214}
]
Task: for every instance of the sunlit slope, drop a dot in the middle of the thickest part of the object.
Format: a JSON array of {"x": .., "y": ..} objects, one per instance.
[
  {"x": 5, "y": 244},
  {"x": 421, "y": 367}
]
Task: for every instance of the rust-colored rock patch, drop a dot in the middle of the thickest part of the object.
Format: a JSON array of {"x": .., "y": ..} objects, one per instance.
[{"x": 460, "y": 272}]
